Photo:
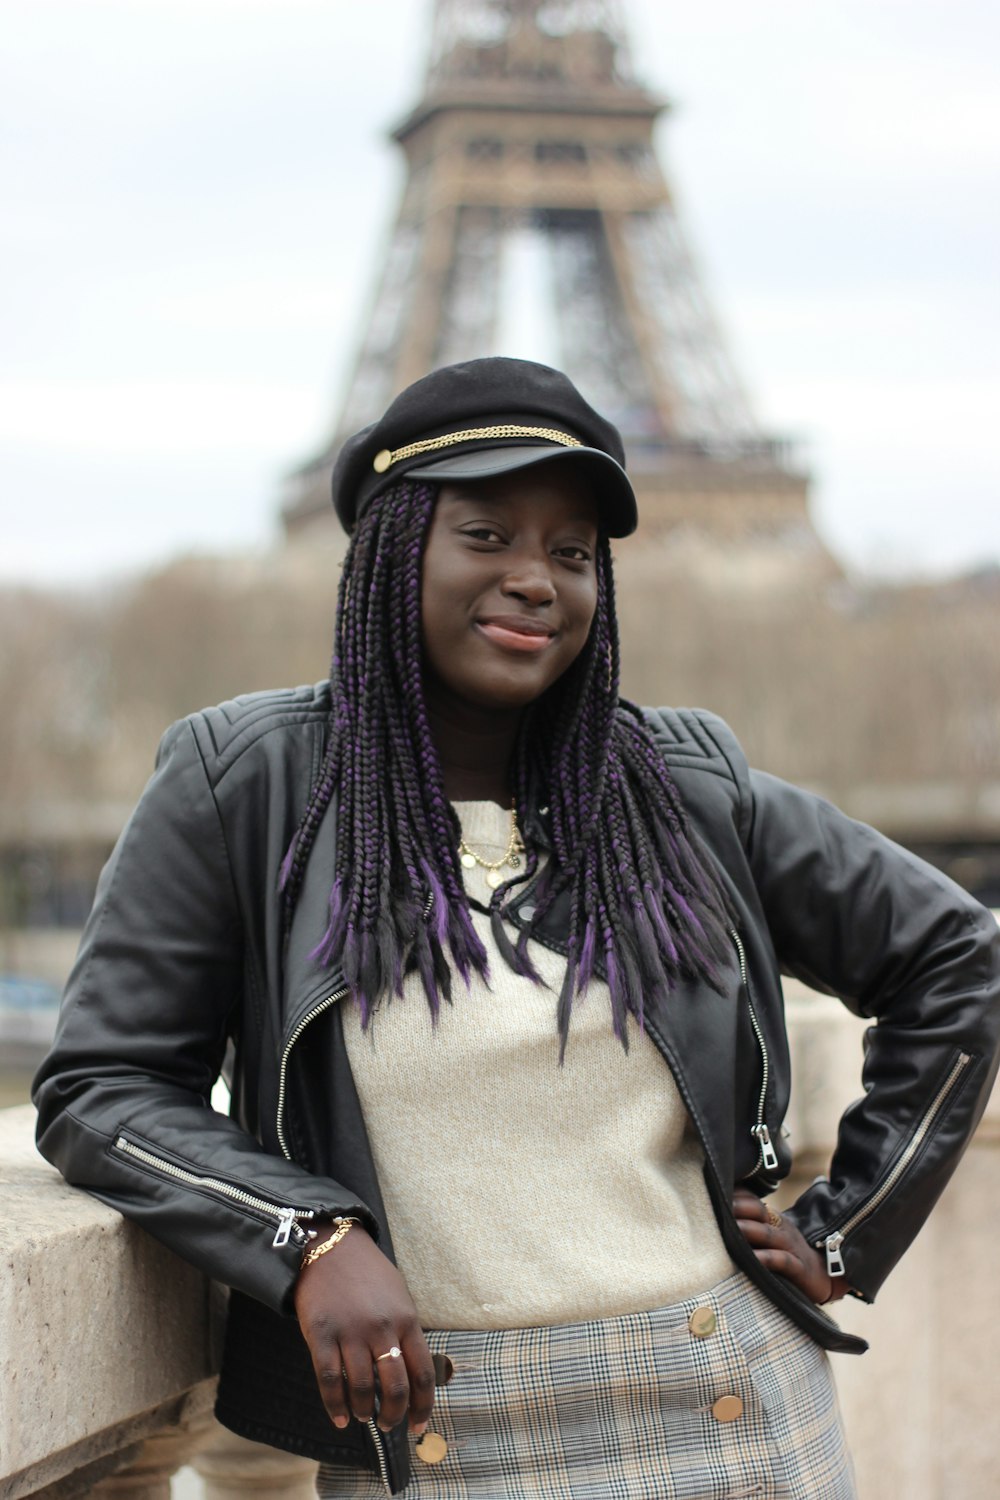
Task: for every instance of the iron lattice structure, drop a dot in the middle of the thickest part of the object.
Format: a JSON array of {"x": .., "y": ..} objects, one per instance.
[{"x": 533, "y": 188}]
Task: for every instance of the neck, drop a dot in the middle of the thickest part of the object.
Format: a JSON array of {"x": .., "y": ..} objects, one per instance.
[{"x": 475, "y": 747}]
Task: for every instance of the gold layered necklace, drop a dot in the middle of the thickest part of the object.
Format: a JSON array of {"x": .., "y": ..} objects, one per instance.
[{"x": 510, "y": 859}]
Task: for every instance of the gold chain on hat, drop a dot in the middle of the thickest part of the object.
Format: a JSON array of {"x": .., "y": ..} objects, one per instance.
[{"x": 386, "y": 457}]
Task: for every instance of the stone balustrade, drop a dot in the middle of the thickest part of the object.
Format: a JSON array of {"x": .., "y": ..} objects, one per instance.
[{"x": 108, "y": 1344}]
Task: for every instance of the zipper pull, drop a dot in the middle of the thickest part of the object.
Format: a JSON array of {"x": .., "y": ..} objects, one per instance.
[
  {"x": 768, "y": 1155},
  {"x": 286, "y": 1223},
  {"x": 834, "y": 1260}
]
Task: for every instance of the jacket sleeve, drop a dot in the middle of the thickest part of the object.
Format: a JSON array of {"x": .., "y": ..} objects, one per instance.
[
  {"x": 851, "y": 913},
  {"x": 124, "y": 1096}
]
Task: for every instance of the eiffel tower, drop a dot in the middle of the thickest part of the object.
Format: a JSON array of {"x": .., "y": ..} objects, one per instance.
[{"x": 536, "y": 221}]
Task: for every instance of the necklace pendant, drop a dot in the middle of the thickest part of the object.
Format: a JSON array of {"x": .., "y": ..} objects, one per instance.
[
  {"x": 493, "y": 879},
  {"x": 514, "y": 861},
  {"x": 469, "y": 861}
]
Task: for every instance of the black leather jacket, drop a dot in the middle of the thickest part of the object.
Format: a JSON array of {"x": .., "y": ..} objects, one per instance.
[{"x": 182, "y": 958}]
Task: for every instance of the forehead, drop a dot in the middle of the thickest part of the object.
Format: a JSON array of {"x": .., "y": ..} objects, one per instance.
[{"x": 543, "y": 493}]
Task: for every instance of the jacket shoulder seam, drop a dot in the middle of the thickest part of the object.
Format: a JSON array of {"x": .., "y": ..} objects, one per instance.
[
  {"x": 695, "y": 739},
  {"x": 224, "y": 735}
]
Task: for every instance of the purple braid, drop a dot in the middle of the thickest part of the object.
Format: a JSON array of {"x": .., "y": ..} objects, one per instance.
[
  {"x": 645, "y": 907},
  {"x": 443, "y": 874}
]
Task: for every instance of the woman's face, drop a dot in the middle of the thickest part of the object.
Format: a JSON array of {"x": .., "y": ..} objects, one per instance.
[{"x": 509, "y": 586}]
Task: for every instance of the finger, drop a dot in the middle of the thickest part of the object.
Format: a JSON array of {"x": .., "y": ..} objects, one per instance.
[
  {"x": 423, "y": 1382},
  {"x": 747, "y": 1205},
  {"x": 359, "y": 1369},
  {"x": 758, "y": 1232},
  {"x": 330, "y": 1379},
  {"x": 786, "y": 1263},
  {"x": 783, "y": 1263},
  {"x": 394, "y": 1387}
]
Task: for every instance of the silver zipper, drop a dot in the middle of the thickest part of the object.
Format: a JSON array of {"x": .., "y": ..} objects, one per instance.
[
  {"x": 286, "y": 1217},
  {"x": 834, "y": 1260},
  {"x": 379, "y": 1441},
  {"x": 768, "y": 1157},
  {"x": 832, "y": 1243},
  {"x": 286, "y": 1054}
]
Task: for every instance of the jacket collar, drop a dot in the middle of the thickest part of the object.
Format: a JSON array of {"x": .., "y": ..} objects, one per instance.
[{"x": 307, "y": 981}]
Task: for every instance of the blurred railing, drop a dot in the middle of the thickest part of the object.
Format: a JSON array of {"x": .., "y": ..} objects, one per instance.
[{"x": 108, "y": 1344}]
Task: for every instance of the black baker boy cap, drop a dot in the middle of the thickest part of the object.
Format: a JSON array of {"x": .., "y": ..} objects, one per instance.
[{"x": 482, "y": 418}]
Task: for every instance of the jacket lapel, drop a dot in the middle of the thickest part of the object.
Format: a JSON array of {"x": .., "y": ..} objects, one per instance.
[{"x": 306, "y": 981}]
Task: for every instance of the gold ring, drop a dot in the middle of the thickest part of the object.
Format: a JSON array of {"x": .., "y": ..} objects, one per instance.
[
  {"x": 393, "y": 1353},
  {"x": 772, "y": 1218}
]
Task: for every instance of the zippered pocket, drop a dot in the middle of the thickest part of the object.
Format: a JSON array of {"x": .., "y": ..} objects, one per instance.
[
  {"x": 287, "y": 1219},
  {"x": 767, "y": 1158},
  {"x": 832, "y": 1243}
]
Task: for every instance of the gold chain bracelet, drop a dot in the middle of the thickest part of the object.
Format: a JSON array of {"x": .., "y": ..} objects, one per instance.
[{"x": 343, "y": 1226}]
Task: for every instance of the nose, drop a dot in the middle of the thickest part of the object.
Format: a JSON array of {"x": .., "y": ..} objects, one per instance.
[{"x": 529, "y": 578}]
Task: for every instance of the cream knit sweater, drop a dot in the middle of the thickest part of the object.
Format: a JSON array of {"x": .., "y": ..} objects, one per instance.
[{"x": 518, "y": 1192}]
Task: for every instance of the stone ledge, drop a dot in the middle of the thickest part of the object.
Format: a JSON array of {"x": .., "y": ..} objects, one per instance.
[
  {"x": 103, "y": 1332},
  {"x": 179, "y": 1423}
]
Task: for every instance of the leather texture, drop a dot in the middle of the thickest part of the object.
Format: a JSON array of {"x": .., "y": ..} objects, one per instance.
[{"x": 182, "y": 969}]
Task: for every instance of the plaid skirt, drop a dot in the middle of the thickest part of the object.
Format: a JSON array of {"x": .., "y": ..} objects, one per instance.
[{"x": 719, "y": 1396}]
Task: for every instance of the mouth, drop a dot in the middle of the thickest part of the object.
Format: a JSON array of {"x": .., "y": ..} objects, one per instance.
[{"x": 517, "y": 633}]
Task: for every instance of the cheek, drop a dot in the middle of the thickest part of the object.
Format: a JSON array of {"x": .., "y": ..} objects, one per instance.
[
  {"x": 430, "y": 631},
  {"x": 442, "y": 641},
  {"x": 431, "y": 622},
  {"x": 587, "y": 607}
]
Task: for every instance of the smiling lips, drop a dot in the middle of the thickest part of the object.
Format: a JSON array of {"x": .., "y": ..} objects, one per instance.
[{"x": 517, "y": 632}]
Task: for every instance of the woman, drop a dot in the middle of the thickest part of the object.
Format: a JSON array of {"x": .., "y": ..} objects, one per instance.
[{"x": 498, "y": 959}]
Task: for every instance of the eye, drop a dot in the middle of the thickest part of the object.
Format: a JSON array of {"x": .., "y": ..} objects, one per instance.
[
  {"x": 575, "y": 552},
  {"x": 482, "y": 532}
]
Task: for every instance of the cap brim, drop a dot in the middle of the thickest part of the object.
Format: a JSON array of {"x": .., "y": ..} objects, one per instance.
[{"x": 613, "y": 488}]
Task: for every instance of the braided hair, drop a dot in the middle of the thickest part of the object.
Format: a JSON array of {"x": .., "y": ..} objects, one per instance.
[{"x": 645, "y": 907}]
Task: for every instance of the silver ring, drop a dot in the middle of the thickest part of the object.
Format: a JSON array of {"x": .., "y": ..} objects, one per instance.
[{"x": 394, "y": 1353}]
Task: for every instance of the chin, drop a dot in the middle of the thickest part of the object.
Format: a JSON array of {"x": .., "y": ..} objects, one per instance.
[
  {"x": 503, "y": 691},
  {"x": 507, "y": 701}
]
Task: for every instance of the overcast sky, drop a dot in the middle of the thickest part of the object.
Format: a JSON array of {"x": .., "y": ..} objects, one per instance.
[{"x": 195, "y": 194}]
